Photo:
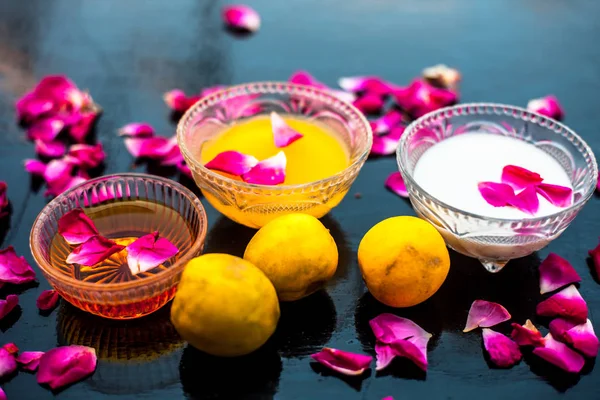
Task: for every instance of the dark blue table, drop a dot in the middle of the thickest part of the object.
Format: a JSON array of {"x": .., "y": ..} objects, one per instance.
[{"x": 127, "y": 53}]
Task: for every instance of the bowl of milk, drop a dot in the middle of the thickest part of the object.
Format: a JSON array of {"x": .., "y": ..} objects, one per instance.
[{"x": 443, "y": 155}]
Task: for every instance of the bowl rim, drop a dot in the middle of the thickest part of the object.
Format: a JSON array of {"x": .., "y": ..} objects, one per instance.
[
  {"x": 274, "y": 87},
  {"x": 408, "y": 176},
  {"x": 165, "y": 275}
]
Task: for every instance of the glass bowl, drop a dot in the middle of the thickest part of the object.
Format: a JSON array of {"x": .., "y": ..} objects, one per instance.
[
  {"x": 153, "y": 204},
  {"x": 255, "y": 205},
  {"x": 495, "y": 241}
]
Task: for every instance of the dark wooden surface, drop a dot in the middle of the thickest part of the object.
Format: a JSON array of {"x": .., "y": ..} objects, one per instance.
[{"x": 127, "y": 53}]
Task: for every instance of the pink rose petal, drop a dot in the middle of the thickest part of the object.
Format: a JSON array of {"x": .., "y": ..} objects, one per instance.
[
  {"x": 270, "y": 171},
  {"x": 241, "y": 17},
  {"x": 178, "y": 101},
  {"x": 527, "y": 201},
  {"x": 526, "y": 335},
  {"x": 14, "y": 269},
  {"x": 581, "y": 336},
  {"x": 497, "y": 194},
  {"x": 519, "y": 178},
  {"x": 58, "y": 171},
  {"x": 595, "y": 254},
  {"x": 384, "y": 145},
  {"x": 502, "y": 350},
  {"x": 370, "y": 84},
  {"x": 50, "y": 149},
  {"x": 384, "y": 124},
  {"x": 388, "y": 398},
  {"x": 555, "y": 273},
  {"x": 149, "y": 251},
  {"x": 76, "y": 227},
  {"x": 29, "y": 360},
  {"x": 8, "y": 364},
  {"x": 6, "y": 306},
  {"x": 384, "y": 355},
  {"x": 560, "y": 196},
  {"x": 283, "y": 134},
  {"x": 420, "y": 98},
  {"x": 93, "y": 251},
  {"x": 388, "y": 328},
  {"x": 442, "y": 76},
  {"x": 305, "y": 78},
  {"x": 62, "y": 366},
  {"x": 560, "y": 355},
  {"x": 548, "y": 106},
  {"x": 567, "y": 303},
  {"x": 136, "y": 129},
  {"x": 30, "y": 108},
  {"x": 2, "y": 395},
  {"x": 559, "y": 327},
  {"x": 3, "y": 198},
  {"x": 11, "y": 348},
  {"x": 87, "y": 156},
  {"x": 82, "y": 126},
  {"x": 46, "y": 129},
  {"x": 47, "y": 300},
  {"x": 232, "y": 162},
  {"x": 413, "y": 348},
  {"x": 150, "y": 147},
  {"x": 485, "y": 314},
  {"x": 395, "y": 183},
  {"x": 343, "y": 362},
  {"x": 369, "y": 103},
  {"x": 56, "y": 188},
  {"x": 35, "y": 167}
]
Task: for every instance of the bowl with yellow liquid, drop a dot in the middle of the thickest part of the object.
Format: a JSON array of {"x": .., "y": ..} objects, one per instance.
[
  {"x": 321, "y": 166},
  {"x": 122, "y": 207}
]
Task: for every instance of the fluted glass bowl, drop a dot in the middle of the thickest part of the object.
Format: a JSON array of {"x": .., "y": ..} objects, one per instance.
[
  {"x": 164, "y": 202},
  {"x": 255, "y": 205},
  {"x": 495, "y": 241}
]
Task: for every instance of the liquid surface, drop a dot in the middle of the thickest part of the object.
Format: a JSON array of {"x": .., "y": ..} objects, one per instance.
[
  {"x": 451, "y": 169},
  {"x": 317, "y": 155},
  {"x": 124, "y": 222}
]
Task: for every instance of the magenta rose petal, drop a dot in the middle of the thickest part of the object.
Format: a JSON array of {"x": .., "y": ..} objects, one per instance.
[
  {"x": 65, "y": 365},
  {"x": 149, "y": 251},
  {"x": 560, "y": 196},
  {"x": 395, "y": 183},
  {"x": 35, "y": 167},
  {"x": 526, "y": 334},
  {"x": 58, "y": 170},
  {"x": 503, "y": 351},
  {"x": 387, "y": 122},
  {"x": 241, "y": 17},
  {"x": 555, "y": 273},
  {"x": 384, "y": 355},
  {"x": 384, "y": 145},
  {"x": 56, "y": 188},
  {"x": 76, "y": 227},
  {"x": 7, "y": 305},
  {"x": 560, "y": 354},
  {"x": 3, "y": 198},
  {"x": 8, "y": 364},
  {"x": 370, "y": 103},
  {"x": 595, "y": 255},
  {"x": 136, "y": 129},
  {"x": 420, "y": 98},
  {"x": 305, "y": 78},
  {"x": 47, "y": 300},
  {"x": 559, "y": 327},
  {"x": 567, "y": 303},
  {"x": 496, "y": 194},
  {"x": 178, "y": 101},
  {"x": 82, "y": 126},
  {"x": 270, "y": 171},
  {"x": 14, "y": 269},
  {"x": 150, "y": 147},
  {"x": 343, "y": 362},
  {"x": 93, "y": 251},
  {"x": 11, "y": 348},
  {"x": 87, "y": 156},
  {"x": 519, "y": 178},
  {"x": 413, "y": 348},
  {"x": 485, "y": 314},
  {"x": 232, "y": 162},
  {"x": 388, "y": 328},
  {"x": 283, "y": 134},
  {"x": 46, "y": 129},
  {"x": 30, "y": 108},
  {"x": 583, "y": 338},
  {"x": 29, "y": 360},
  {"x": 527, "y": 201},
  {"x": 370, "y": 84},
  {"x": 548, "y": 106},
  {"x": 51, "y": 149}
]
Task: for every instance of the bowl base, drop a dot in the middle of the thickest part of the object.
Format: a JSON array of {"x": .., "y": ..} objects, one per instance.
[{"x": 494, "y": 266}]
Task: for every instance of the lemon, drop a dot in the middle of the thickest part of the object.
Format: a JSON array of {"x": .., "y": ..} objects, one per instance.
[
  {"x": 296, "y": 252},
  {"x": 403, "y": 261},
  {"x": 224, "y": 305}
]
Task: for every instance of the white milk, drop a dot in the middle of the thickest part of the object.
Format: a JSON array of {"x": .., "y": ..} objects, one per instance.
[{"x": 451, "y": 169}]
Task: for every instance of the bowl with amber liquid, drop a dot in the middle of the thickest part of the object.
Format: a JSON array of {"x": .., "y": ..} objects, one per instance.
[
  {"x": 265, "y": 149},
  {"x": 116, "y": 246}
]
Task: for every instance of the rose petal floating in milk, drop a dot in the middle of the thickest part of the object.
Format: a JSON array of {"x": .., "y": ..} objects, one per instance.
[
  {"x": 283, "y": 134},
  {"x": 76, "y": 227},
  {"x": 527, "y": 201},
  {"x": 87, "y": 156},
  {"x": 519, "y": 177},
  {"x": 386, "y": 122},
  {"x": 29, "y": 360},
  {"x": 502, "y": 350},
  {"x": 560, "y": 196},
  {"x": 14, "y": 269},
  {"x": 65, "y": 365},
  {"x": 485, "y": 314},
  {"x": 232, "y": 162},
  {"x": 93, "y": 251},
  {"x": 241, "y": 17},
  {"x": 420, "y": 98},
  {"x": 526, "y": 334},
  {"x": 555, "y": 273},
  {"x": 548, "y": 106},
  {"x": 567, "y": 303},
  {"x": 8, "y": 364},
  {"x": 496, "y": 194},
  {"x": 369, "y": 84},
  {"x": 45, "y": 129},
  {"x": 136, "y": 129},
  {"x": 50, "y": 149},
  {"x": 149, "y": 251},
  {"x": 47, "y": 300},
  {"x": 270, "y": 171},
  {"x": 560, "y": 355},
  {"x": 343, "y": 362},
  {"x": 581, "y": 336},
  {"x": 8, "y": 304},
  {"x": 11, "y": 348},
  {"x": 384, "y": 145},
  {"x": 395, "y": 183},
  {"x": 443, "y": 76}
]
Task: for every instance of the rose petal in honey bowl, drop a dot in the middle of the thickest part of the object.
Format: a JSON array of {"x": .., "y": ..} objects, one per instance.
[
  {"x": 65, "y": 365},
  {"x": 29, "y": 360},
  {"x": 7, "y": 305},
  {"x": 503, "y": 351},
  {"x": 136, "y": 129},
  {"x": 485, "y": 314},
  {"x": 526, "y": 334},
  {"x": 270, "y": 171},
  {"x": 283, "y": 134},
  {"x": 560, "y": 355},
  {"x": 93, "y": 251},
  {"x": 560, "y": 196},
  {"x": 496, "y": 194},
  {"x": 241, "y": 17},
  {"x": 555, "y": 273},
  {"x": 395, "y": 183},
  {"x": 47, "y": 300},
  {"x": 343, "y": 362},
  {"x": 232, "y": 162},
  {"x": 548, "y": 106},
  {"x": 567, "y": 303},
  {"x": 149, "y": 251},
  {"x": 519, "y": 177},
  {"x": 76, "y": 227}
]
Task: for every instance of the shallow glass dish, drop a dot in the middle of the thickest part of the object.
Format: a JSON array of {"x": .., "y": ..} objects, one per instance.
[
  {"x": 495, "y": 241},
  {"x": 157, "y": 202},
  {"x": 255, "y": 205}
]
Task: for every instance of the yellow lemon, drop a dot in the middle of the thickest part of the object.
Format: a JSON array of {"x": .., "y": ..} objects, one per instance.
[
  {"x": 297, "y": 254},
  {"x": 224, "y": 305},
  {"x": 403, "y": 261}
]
